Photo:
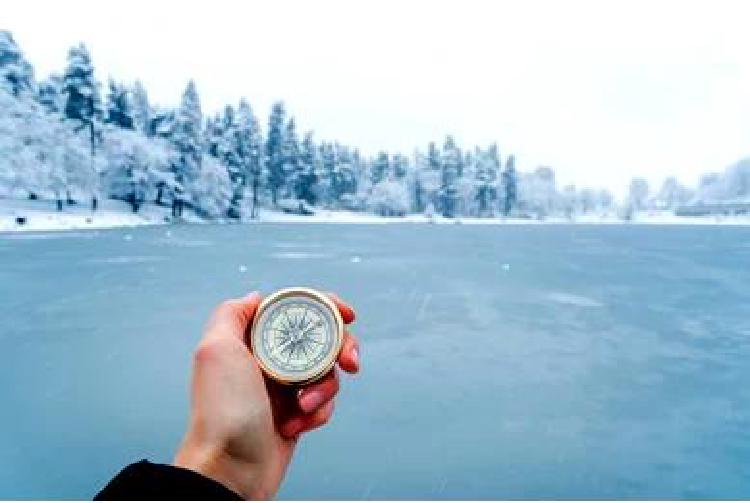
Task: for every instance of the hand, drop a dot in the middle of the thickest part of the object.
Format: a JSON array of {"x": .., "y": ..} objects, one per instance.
[{"x": 243, "y": 426}]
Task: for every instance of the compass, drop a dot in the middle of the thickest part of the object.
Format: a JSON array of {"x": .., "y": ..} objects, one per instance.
[{"x": 297, "y": 334}]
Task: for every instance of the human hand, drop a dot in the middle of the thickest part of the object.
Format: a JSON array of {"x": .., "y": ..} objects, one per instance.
[{"x": 243, "y": 426}]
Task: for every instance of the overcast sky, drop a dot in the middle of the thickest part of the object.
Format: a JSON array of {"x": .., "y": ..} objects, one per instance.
[{"x": 599, "y": 90}]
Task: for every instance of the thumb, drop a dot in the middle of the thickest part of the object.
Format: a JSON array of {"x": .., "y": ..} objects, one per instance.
[{"x": 232, "y": 317}]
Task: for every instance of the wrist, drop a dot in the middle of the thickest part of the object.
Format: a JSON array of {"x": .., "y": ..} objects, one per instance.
[{"x": 213, "y": 462}]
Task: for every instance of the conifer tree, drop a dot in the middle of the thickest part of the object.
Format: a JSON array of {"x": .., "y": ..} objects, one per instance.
[
  {"x": 16, "y": 74},
  {"x": 450, "y": 173},
  {"x": 119, "y": 108},
  {"x": 309, "y": 167},
  {"x": 510, "y": 186},
  {"x": 186, "y": 139},
  {"x": 83, "y": 103},
  {"x": 142, "y": 112},
  {"x": 291, "y": 155},
  {"x": 250, "y": 152},
  {"x": 274, "y": 150}
]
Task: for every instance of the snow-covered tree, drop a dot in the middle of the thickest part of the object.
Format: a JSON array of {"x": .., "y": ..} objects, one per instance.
[
  {"x": 16, "y": 74},
  {"x": 638, "y": 193},
  {"x": 119, "y": 106},
  {"x": 451, "y": 167},
  {"x": 136, "y": 166},
  {"x": 81, "y": 90},
  {"x": 381, "y": 168},
  {"x": 291, "y": 167},
  {"x": 83, "y": 104},
  {"x": 672, "y": 194},
  {"x": 186, "y": 140},
  {"x": 486, "y": 178},
  {"x": 275, "y": 150},
  {"x": 212, "y": 190},
  {"x": 537, "y": 192},
  {"x": 250, "y": 152},
  {"x": 344, "y": 182},
  {"x": 142, "y": 112},
  {"x": 509, "y": 186},
  {"x": 400, "y": 164},
  {"x": 50, "y": 94},
  {"x": 309, "y": 169},
  {"x": 389, "y": 198},
  {"x": 326, "y": 174}
]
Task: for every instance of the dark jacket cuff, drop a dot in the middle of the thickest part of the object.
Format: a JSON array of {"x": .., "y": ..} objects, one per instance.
[{"x": 150, "y": 481}]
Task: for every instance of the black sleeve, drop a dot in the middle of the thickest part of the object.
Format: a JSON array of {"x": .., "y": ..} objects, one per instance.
[{"x": 150, "y": 481}]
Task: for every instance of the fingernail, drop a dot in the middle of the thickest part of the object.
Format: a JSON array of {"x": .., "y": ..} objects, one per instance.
[{"x": 311, "y": 400}]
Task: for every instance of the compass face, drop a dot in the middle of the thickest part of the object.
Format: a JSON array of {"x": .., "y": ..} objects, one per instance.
[{"x": 297, "y": 335}]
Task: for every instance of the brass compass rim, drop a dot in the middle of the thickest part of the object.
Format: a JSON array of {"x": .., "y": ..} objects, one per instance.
[{"x": 298, "y": 291}]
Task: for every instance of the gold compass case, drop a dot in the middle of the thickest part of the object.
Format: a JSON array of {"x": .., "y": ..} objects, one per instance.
[{"x": 296, "y": 335}]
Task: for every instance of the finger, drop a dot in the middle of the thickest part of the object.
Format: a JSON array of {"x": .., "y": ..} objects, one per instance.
[
  {"x": 232, "y": 317},
  {"x": 315, "y": 395},
  {"x": 319, "y": 417},
  {"x": 349, "y": 356},
  {"x": 307, "y": 422},
  {"x": 347, "y": 313}
]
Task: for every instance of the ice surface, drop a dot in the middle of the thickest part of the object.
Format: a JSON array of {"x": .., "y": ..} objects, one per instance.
[{"x": 477, "y": 383}]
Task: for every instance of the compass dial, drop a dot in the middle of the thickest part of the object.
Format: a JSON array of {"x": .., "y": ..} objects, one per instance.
[{"x": 297, "y": 335}]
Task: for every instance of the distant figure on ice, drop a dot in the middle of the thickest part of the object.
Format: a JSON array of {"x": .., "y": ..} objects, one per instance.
[{"x": 243, "y": 427}]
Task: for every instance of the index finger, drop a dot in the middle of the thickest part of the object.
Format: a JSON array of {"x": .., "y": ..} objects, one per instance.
[{"x": 347, "y": 312}]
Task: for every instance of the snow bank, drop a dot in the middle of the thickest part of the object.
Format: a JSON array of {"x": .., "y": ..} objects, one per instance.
[{"x": 42, "y": 216}]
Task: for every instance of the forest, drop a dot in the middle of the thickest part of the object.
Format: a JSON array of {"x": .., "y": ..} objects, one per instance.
[{"x": 73, "y": 140}]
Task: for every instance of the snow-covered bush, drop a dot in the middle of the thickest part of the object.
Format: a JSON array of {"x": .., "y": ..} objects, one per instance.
[
  {"x": 389, "y": 198},
  {"x": 212, "y": 191},
  {"x": 135, "y": 165}
]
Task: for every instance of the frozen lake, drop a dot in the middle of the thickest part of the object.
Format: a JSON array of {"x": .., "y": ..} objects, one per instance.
[{"x": 499, "y": 362}]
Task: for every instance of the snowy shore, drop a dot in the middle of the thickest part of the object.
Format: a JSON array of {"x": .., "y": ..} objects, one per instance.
[{"x": 42, "y": 216}]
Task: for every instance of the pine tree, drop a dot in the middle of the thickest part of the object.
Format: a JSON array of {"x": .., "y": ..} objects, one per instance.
[
  {"x": 186, "y": 139},
  {"x": 433, "y": 156},
  {"x": 274, "y": 150},
  {"x": 344, "y": 180},
  {"x": 119, "y": 108},
  {"x": 486, "y": 174},
  {"x": 249, "y": 150},
  {"x": 16, "y": 74},
  {"x": 381, "y": 167},
  {"x": 49, "y": 94},
  {"x": 290, "y": 154},
  {"x": 451, "y": 166},
  {"x": 142, "y": 112},
  {"x": 82, "y": 101},
  {"x": 509, "y": 186},
  {"x": 327, "y": 173},
  {"x": 212, "y": 136},
  {"x": 228, "y": 150},
  {"x": 400, "y": 166},
  {"x": 309, "y": 167}
]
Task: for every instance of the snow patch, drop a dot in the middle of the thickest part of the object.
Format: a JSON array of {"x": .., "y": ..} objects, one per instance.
[
  {"x": 299, "y": 255},
  {"x": 572, "y": 299},
  {"x": 128, "y": 260}
]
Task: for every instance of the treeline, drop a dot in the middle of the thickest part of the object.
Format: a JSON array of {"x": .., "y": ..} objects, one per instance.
[{"x": 69, "y": 138}]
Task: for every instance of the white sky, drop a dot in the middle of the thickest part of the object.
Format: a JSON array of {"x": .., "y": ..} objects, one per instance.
[{"x": 599, "y": 90}]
